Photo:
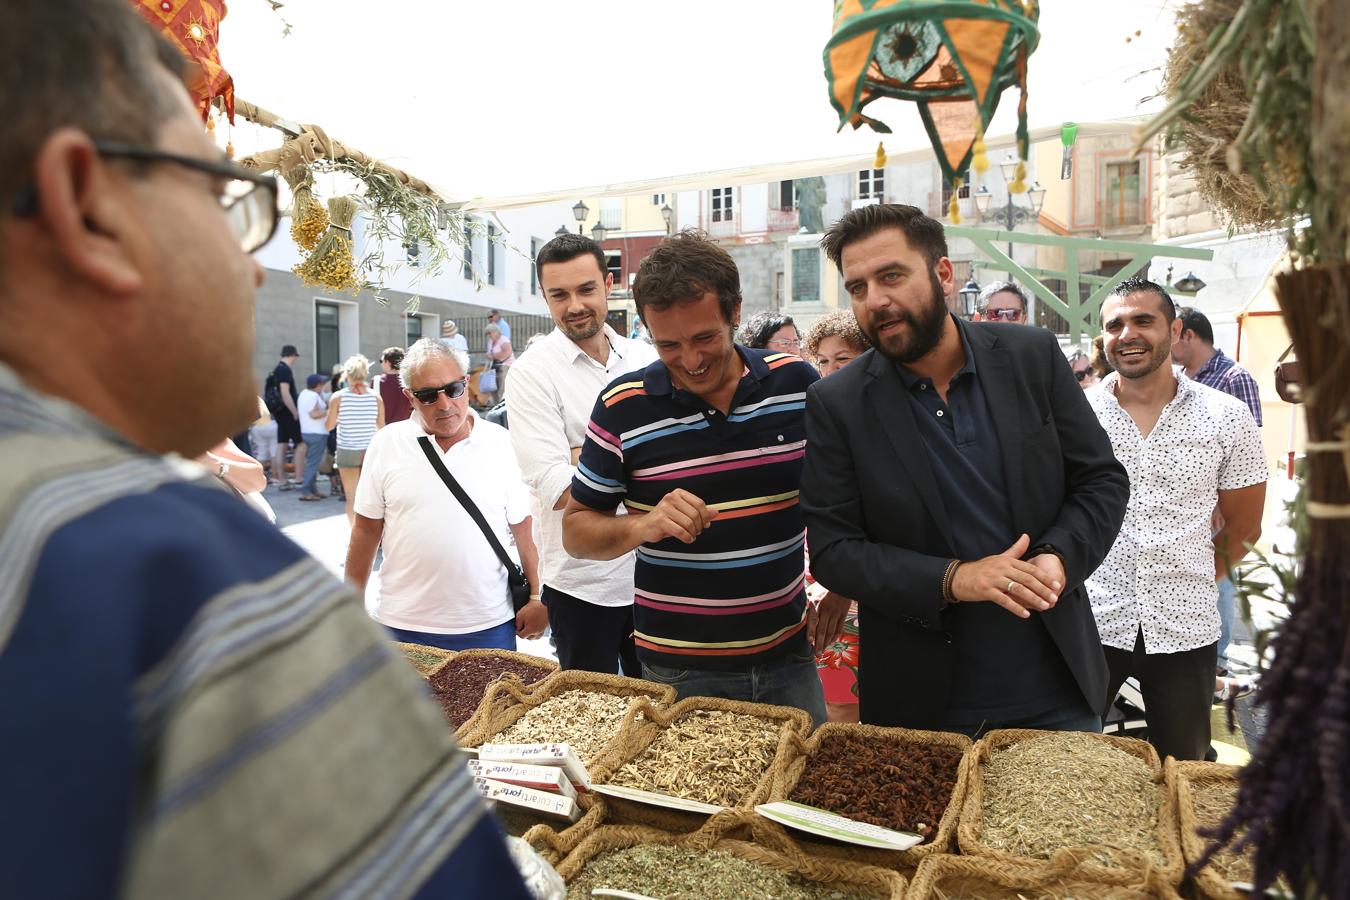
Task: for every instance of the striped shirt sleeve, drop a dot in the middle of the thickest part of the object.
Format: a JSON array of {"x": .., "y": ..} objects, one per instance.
[{"x": 600, "y": 481}]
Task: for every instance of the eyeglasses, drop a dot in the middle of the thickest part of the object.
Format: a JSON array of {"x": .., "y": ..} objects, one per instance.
[
  {"x": 786, "y": 344},
  {"x": 1007, "y": 315},
  {"x": 454, "y": 390},
  {"x": 248, "y": 198},
  {"x": 1082, "y": 374}
]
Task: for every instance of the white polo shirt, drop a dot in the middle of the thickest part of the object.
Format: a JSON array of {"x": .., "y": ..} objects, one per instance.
[
  {"x": 549, "y": 398},
  {"x": 440, "y": 574}
]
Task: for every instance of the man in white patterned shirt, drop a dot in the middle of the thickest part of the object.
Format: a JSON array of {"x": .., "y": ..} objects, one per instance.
[
  {"x": 553, "y": 389},
  {"x": 1187, "y": 447}
]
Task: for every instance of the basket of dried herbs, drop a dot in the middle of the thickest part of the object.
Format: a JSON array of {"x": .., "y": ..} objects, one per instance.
[
  {"x": 584, "y": 710},
  {"x": 1204, "y": 793},
  {"x": 706, "y": 750},
  {"x": 946, "y": 877},
  {"x": 896, "y": 778},
  {"x": 705, "y": 866},
  {"x": 461, "y": 686},
  {"x": 1030, "y": 794},
  {"x": 427, "y": 660}
]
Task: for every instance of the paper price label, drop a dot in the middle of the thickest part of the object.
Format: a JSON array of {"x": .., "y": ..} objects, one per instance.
[
  {"x": 654, "y": 799},
  {"x": 823, "y": 823}
]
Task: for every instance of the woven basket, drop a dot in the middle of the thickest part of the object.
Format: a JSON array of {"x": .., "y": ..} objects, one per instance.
[
  {"x": 646, "y": 721},
  {"x": 982, "y": 878},
  {"x": 433, "y": 658},
  {"x": 791, "y": 773},
  {"x": 515, "y": 700},
  {"x": 550, "y": 838},
  {"x": 972, "y": 813},
  {"x": 1182, "y": 779},
  {"x": 490, "y": 697},
  {"x": 765, "y": 849}
]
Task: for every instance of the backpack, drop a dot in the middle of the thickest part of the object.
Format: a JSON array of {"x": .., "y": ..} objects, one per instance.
[{"x": 272, "y": 393}]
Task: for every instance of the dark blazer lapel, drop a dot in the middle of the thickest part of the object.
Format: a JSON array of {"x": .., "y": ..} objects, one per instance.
[
  {"x": 888, "y": 402},
  {"x": 994, "y": 364}
]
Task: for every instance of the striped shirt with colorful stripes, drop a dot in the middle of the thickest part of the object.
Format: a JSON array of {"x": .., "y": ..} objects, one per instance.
[{"x": 735, "y": 597}]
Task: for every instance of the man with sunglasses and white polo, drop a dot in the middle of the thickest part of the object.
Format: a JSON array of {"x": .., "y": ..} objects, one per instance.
[
  {"x": 193, "y": 706},
  {"x": 1004, "y": 301},
  {"x": 441, "y": 583}
]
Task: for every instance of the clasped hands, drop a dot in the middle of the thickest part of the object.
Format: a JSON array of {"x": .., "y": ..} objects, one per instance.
[{"x": 1019, "y": 586}]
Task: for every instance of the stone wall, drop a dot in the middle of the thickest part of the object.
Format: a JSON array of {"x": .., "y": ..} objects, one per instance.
[{"x": 1178, "y": 208}]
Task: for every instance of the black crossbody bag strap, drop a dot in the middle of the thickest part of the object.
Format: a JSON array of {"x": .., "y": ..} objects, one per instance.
[{"x": 513, "y": 572}]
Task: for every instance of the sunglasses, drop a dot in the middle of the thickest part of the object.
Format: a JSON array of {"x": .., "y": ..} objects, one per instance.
[
  {"x": 1082, "y": 374},
  {"x": 454, "y": 390},
  {"x": 1007, "y": 315}
]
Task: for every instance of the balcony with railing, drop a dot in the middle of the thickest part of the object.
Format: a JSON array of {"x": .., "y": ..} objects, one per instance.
[{"x": 611, "y": 219}]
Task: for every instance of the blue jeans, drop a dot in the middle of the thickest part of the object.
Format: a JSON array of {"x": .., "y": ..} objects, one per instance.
[
  {"x": 315, "y": 444},
  {"x": 498, "y": 637},
  {"x": 790, "y": 680},
  {"x": 1227, "y": 616}
]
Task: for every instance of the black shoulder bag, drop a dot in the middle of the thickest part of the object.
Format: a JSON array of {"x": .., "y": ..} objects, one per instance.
[{"x": 515, "y": 577}]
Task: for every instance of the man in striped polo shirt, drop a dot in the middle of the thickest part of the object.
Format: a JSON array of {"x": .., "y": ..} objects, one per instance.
[
  {"x": 193, "y": 707},
  {"x": 703, "y": 452}
]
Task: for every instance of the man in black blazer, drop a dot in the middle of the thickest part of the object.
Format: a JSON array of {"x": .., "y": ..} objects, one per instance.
[{"x": 959, "y": 488}]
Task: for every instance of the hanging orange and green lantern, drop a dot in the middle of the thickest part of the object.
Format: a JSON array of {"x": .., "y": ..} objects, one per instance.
[
  {"x": 193, "y": 26},
  {"x": 954, "y": 58}
]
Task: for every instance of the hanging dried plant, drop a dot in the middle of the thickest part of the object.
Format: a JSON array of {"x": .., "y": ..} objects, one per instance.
[{"x": 331, "y": 264}]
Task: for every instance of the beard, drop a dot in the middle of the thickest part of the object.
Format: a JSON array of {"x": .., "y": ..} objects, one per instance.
[
  {"x": 1155, "y": 358},
  {"x": 582, "y": 329},
  {"x": 925, "y": 329}
]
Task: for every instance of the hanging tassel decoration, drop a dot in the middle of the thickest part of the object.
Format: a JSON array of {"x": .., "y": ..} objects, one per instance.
[
  {"x": 880, "y": 161},
  {"x": 331, "y": 264},
  {"x": 979, "y": 162},
  {"x": 954, "y": 207},
  {"x": 1019, "y": 182}
]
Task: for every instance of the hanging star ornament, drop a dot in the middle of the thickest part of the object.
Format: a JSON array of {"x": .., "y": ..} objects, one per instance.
[
  {"x": 193, "y": 26},
  {"x": 953, "y": 58}
]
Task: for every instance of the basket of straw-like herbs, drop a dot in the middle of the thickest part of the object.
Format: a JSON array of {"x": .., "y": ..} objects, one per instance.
[
  {"x": 706, "y": 866},
  {"x": 426, "y": 660},
  {"x": 710, "y": 751},
  {"x": 946, "y": 877},
  {"x": 896, "y": 778},
  {"x": 1204, "y": 793},
  {"x": 584, "y": 710},
  {"x": 462, "y": 685},
  {"x": 1030, "y": 794}
]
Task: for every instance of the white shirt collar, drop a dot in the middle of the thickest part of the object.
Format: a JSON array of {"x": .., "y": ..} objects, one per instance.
[{"x": 572, "y": 351}]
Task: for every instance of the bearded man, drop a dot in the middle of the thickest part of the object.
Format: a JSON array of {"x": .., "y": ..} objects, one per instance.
[{"x": 959, "y": 487}]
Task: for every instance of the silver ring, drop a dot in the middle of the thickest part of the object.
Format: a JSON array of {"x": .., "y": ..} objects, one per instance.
[{"x": 1008, "y": 589}]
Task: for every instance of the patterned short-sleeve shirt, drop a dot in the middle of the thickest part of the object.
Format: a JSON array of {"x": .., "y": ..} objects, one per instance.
[{"x": 1159, "y": 575}]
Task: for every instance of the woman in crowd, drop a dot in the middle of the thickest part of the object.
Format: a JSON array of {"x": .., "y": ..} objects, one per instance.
[
  {"x": 396, "y": 405},
  {"x": 770, "y": 331},
  {"x": 357, "y": 412},
  {"x": 500, "y": 358},
  {"x": 832, "y": 343}
]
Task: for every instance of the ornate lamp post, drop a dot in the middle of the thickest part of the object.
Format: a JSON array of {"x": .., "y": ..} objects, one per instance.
[{"x": 580, "y": 212}]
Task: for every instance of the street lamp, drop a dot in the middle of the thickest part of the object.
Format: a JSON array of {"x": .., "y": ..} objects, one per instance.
[
  {"x": 970, "y": 294},
  {"x": 562, "y": 229},
  {"x": 598, "y": 233},
  {"x": 580, "y": 211},
  {"x": 1190, "y": 284},
  {"x": 669, "y": 215}
]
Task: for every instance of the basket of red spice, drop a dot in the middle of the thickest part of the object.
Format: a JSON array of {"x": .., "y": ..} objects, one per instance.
[
  {"x": 426, "y": 660},
  {"x": 461, "y": 685},
  {"x": 897, "y": 779}
]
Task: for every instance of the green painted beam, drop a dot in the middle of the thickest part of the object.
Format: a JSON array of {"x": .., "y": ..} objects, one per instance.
[{"x": 1092, "y": 244}]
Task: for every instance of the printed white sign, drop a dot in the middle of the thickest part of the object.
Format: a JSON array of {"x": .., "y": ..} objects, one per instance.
[{"x": 823, "y": 823}]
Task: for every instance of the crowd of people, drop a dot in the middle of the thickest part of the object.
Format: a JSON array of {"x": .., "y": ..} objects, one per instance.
[{"x": 994, "y": 541}]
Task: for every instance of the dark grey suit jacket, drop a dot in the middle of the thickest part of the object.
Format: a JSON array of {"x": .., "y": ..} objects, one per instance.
[{"x": 879, "y": 533}]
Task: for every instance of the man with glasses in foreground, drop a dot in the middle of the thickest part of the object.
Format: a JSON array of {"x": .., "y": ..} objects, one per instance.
[
  {"x": 441, "y": 584},
  {"x": 194, "y": 707}
]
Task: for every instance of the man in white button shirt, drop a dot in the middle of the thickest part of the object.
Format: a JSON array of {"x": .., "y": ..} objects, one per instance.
[
  {"x": 1186, "y": 447},
  {"x": 553, "y": 389},
  {"x": 441, "y": 583}
]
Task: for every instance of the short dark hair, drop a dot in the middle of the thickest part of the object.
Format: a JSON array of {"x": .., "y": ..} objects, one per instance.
[
  {"x": 924, "y": 233},
  {"x": 567, "y": 247},
  {"x": 289, "y": 350},
  {"x": 87, "y": 64},
  {"x": 684, "y": 267},
  {"x": 756, "y": 330},
  {"x": 1194, "y": 320},
  {"x": 1143, "y": 285},
  {"x": 393, "y": 356}
]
